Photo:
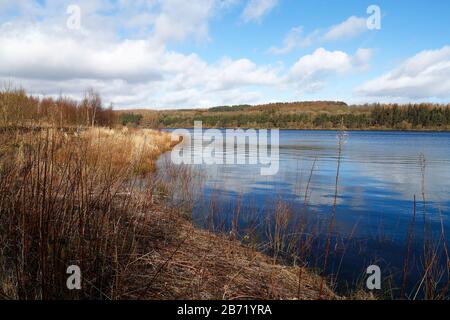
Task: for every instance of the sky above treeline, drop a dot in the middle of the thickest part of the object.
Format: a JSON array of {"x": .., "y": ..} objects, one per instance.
[{"x": 202, "y": 53}]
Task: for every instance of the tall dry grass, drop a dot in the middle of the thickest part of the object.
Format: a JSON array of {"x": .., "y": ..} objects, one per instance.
[{"x": 70, "y": 198}]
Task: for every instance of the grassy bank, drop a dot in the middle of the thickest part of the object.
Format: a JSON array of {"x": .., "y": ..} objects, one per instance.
[{"x": 90, "y": 198}]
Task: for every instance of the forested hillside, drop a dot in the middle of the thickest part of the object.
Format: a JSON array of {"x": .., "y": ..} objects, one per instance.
[{"x": 304, "y": 115}]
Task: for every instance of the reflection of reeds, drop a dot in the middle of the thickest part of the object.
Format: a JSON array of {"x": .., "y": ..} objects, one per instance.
[
  {"x": 235, "y": 219},
  {"x": 304, "y": 239},
  {"x": 444, "y": 292},
  {"x": 277, "y": 229},
  {"x": 178, "y": 185},
  {"x": 408, "y": 252},
  {"x": 333, "y": 208},
  {"x": 434, "y": 249}
]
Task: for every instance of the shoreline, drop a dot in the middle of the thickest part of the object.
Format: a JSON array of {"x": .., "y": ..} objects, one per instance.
[
  {"x": 162, "y": 257},
  {"x": 324, "y": 130},
  {"x": 225, "y": 269},
  {"x": 256, "y": 263}
]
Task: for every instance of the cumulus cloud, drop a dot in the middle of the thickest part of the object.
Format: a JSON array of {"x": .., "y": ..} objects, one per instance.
[
  {"x": 243, "y": 72},
  {"x": 311, "y": 71},
  {"x": 255, "y": 10},
  {"x": 133, "y": 66},
  {"x": 34, "y": 53},
  {"x": 422, "y": 76},
  {"x": 130, "y": 66},
  {"x": 128, "y": 72}
]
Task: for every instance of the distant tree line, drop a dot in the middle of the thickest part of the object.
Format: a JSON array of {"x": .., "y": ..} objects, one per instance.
[
  {"x": 240, "y": 107},
  {"x": 414, "y": 115},
  {"x": 376, "y": 116},
  {"x": 19, "y": 109}
]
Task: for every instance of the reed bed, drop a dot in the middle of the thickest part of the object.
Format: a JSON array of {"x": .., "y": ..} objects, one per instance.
[{"x": 69, "y": 199}]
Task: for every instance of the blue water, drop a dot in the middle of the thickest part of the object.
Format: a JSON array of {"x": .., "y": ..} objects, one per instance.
[{"x": 380, "y": 174}]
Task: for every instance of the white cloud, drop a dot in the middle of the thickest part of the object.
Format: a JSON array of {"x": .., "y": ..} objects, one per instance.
[
  {"x": 127, "y": 72},
  {"x": 422, "y": 76},
  {"x": 295, "y": 38},
  {"x": 143, "y": 73},
  {"x": 35, "y": 53},
  {"x": 180, "y": 18},
  {"x": 311, "y": 71},
  {"x": 130, "y": 66},
  {"x": 255, "y": 10},
  {"x": 243, "y": 72},
  {"x": 350, "y": 28},
  {"x": 133, "y": 67},
  {"x": 162, "y": 20}
]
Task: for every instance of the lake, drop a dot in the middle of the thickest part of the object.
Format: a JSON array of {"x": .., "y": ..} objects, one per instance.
[{"x": 380, "y": 174}]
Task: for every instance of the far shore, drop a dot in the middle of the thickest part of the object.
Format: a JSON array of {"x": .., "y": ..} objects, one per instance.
[{"x": 324, "y": 130}]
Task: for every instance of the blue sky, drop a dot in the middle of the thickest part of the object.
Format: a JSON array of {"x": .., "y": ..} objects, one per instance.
[{"x": 176, "y": 53}]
